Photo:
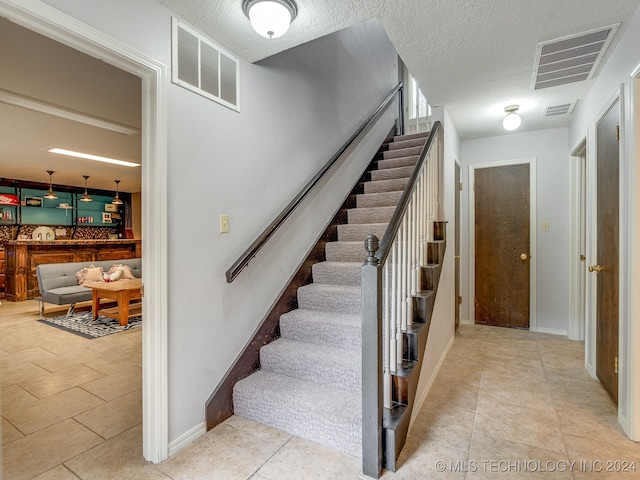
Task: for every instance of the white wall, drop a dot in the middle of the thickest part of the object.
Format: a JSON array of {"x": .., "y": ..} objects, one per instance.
[
  {"x": 296, "y": 109},
  {"x": 551, "y": 257}
]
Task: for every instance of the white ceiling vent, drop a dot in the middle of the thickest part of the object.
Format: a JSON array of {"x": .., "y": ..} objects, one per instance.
[
  {"x": 571, "y": 59},
  {"x": 562, "y": 109}
]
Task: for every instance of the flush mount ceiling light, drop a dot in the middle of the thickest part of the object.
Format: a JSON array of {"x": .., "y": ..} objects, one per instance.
[
  {"x": 512, "y": 120},
  {"x": 270, "y": 18},
  {"x": 88, "y": 156},
  {"x": 50, "y": 193}
]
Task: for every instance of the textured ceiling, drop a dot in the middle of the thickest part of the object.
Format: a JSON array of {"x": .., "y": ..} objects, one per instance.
[{"x": 473, "y": 57}]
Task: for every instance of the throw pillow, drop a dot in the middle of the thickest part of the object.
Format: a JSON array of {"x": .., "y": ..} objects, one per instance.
[
  {"x": 89, "y": 274},
  {"x": 115, "y": 275},
  {"x": 126, "y": 271}
]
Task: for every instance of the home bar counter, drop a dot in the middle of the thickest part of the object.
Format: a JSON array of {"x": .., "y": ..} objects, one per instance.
[{"x": 23, "y": 256}]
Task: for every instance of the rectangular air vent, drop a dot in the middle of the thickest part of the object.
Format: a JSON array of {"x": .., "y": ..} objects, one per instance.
[
  {"x": 570, "y": 59},
  {"x": 555, "y": 110}
]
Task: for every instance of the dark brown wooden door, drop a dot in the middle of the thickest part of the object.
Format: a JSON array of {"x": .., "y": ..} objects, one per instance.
[
  {"x": 607, "y": 205},
  {"x": 458, "y": 299},
  {"x": 502, "y": 220}
]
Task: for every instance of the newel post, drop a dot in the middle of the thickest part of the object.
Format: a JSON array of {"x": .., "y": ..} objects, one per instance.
[{"x": 372, "y": 385}]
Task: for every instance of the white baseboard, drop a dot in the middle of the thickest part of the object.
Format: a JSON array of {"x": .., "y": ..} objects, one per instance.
[
  {"x": 187, "y": 438},
  {"x": 551, "y": 331}
]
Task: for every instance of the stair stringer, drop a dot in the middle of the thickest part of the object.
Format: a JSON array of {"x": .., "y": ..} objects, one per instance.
[{"x": 396, "y": 420}]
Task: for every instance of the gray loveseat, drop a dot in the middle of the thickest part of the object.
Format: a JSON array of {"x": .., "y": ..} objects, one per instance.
[{"x": 58, "y": 284}]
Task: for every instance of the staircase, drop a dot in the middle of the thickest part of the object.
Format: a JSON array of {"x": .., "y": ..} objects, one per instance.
[{"x": 309, "y": 383}]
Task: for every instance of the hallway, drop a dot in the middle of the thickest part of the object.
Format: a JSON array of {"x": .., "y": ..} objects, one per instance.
[{"x": 506, "y": 404}]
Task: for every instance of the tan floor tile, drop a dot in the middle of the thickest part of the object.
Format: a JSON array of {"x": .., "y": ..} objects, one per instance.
[
  {"x": 9, "y": 432},
  {"x": 304, "y": 459},
  {"x": 516, "y": 390},
  {"x": 28, "y": 355},
  {"x": 536, "y": 428},
  {"x": 223, "y": 452},
  {"x": 114, "y": 363},
  {"x": 69, "y": 359},
  {"x": 33, "y": 416},
  {"x": 445, "y": 425},
  {"x": 57, "y": 473},
  {"x": 114, "y": 417},
  {"x": 259, "y": 430},
  {"x": 453, "y": 394},
  {"x": 605, "y": 458},
  {"x": 497, "y": 458},
  {"x": 21, "y": 373},
  {"x": 116, "y": 459},
  {"x": 427, "y": 460},
  {"x": 61, "y": 380},
  {"x": 53, "y": 445},
  {"x": 116, "y": 385},
  {"x": 14, "y": 395}
]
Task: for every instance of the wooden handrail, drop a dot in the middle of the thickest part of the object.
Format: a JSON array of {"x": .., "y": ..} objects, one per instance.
[
  {"x": 396, "y": 218},
  {"x": 262, "y": 239}
]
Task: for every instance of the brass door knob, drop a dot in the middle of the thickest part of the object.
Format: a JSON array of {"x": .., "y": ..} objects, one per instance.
[
  {"x": 457, "y": 257},
  {"x": 523, "y": 256},
  {"x": 595, "y": 268}
]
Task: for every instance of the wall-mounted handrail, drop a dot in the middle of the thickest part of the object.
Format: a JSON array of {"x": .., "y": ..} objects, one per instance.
[{"x": 262, "y": 239}]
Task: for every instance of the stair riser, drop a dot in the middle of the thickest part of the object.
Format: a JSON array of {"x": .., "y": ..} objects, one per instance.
[
  {"x": 405, "y": 152},
  {"x": 345, "y": 252},
  {"x": 414, "y": 142},
  {"x": 359, "y": 232},
  {"x": 410, "y": 136},
  {"x": 370, "y": 215},
  {"x": 391, "y": 173},
  {"x": 385, "y": 199},
  {"x": 397, "y": 162},
  {"x": 340, "y": 302},
  {"x": 337, "y": 273},
  {"x": 395, "y": 185},
  {"x": 304, "y": 327},
  {"x": 341, "y": 370}
]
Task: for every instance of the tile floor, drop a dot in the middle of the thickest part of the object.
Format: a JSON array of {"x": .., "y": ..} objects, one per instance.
[{"x": 506, "y": 404}]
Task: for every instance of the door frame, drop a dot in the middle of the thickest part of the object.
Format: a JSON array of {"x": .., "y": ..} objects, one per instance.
[
  {"x": 52, "y": 23},
  {"x": 578, "y": 175},
  {"x": 531, "y": 161}
]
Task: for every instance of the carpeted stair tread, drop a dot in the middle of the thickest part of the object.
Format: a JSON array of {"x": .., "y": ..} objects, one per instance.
[
  {"x": 322, "y": 328},
  {"x": 397, "y": 162},
  {"x": 411, "y": 142},
  {"x": 370, "y": 215},
  {"x": 411, "y": 136},
  {"x": 331, "y": 298},
  {"x": 353, "y": 232},
  {"x": 382, "y": 199},
  {"x": 345, "y": 252},
  {"x": 385, "y": 185},
  {"x": 331, "y": 366},
  {"x": 403, "y": 152},
  {"x": 329, "y": 416},
  {"x": 337, "y": 273},
  {"x": 389, "y": 173}
]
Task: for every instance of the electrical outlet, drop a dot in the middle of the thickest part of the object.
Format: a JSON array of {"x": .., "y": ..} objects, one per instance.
[
  {"x": 224, "y": 223},
  {"x": 545, "y": 226}
]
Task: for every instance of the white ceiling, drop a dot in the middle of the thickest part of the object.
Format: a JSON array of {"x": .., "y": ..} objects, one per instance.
[{"x": 473, "y": 57}]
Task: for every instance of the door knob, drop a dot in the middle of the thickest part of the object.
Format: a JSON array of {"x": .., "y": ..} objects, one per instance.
[
  {"x": 457, "y": 257},
  {"x": 523, "y": 256},
  {"x": 595, "y": 268}
]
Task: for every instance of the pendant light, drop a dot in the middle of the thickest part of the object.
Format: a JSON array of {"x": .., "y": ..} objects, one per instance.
[
  {"x": 116, "y": 200},
  {"x": 270, "y": 18},
  {"x": 50, "y": 193},
  {"x": 85, "y": 197},
  {"x": 512, "y": 120}
]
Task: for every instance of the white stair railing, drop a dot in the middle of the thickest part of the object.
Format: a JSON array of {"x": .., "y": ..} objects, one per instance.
[{"x": 391, "y": 277}]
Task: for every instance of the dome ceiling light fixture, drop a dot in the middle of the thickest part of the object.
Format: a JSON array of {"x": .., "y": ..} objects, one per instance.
[
  {"x": 512, "y": 120},
  {"x": 270, "y": 18}
]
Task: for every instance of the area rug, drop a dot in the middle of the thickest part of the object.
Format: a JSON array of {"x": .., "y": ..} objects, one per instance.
[{"x": 82, "y": 323}]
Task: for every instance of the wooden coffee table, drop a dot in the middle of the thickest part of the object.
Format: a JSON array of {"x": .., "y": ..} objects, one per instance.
[{"x": 123, "y": 291}]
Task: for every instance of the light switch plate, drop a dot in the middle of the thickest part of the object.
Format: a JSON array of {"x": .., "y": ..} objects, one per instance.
[
  {"x": 224, "y": 223},
  {"x": 545, "y": 226}
]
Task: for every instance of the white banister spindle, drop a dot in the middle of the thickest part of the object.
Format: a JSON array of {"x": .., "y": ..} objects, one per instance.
[
  {"x": 405, "y": 273},
  {"x": 393, "y": 345},
  {"x": 386, "y": 335}
]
